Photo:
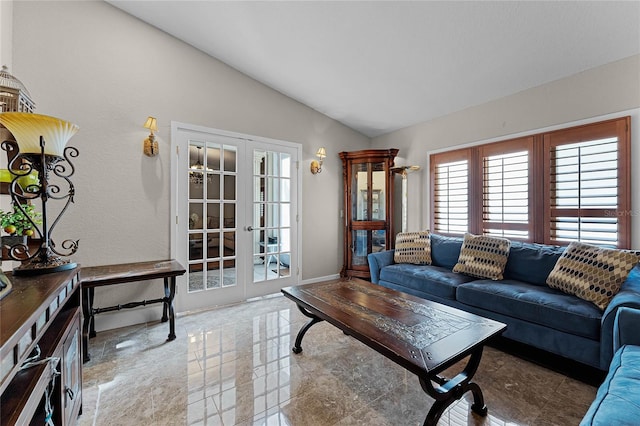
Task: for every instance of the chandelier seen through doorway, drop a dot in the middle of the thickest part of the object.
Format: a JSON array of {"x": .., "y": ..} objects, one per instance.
[{"x": 197, "y": 170}]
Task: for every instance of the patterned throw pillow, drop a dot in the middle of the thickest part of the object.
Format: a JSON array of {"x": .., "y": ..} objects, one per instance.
[
  {"x": 413, "y": 247},
  {"x": 483, "y": 257},
  {"x": 592, "y": 273}
]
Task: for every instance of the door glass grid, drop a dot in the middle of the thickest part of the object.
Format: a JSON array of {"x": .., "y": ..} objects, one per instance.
[
  {"x": 212, "y": 215},
  {"x": 271, "y": 215}
]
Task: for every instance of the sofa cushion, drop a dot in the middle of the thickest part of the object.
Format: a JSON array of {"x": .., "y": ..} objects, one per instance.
[
  {"x": 445, "y": 250},
  {"x": 533, "y": 303},
  {"x": 434, "y": 280},
  {"x": 413, "y": 247},
  {"x": 592, "y": 273},
  {"x": 531, "y": 263},
  {"x": 617, "y": 399},
  {"x": 483, "y": 256}
]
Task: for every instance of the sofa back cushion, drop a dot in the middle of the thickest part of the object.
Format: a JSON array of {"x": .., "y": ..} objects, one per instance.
[
  {"x": 531, "y": 263},
  {"x": 445, "y": 250}
]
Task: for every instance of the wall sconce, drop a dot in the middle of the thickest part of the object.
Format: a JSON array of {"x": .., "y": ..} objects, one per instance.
[
  {"x": 150, "y": 147},
  {"x": 316, "y": 166}
]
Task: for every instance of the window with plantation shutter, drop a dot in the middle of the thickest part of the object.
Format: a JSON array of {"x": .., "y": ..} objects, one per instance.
[
  {"x": 587, "y": 195},
  {"x": 450, "y": 201},
  {"x": 572, "y": 184},
  {"x": 506, "y": 195}
]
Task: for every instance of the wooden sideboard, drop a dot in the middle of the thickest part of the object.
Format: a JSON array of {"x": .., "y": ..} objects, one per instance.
[{"x": 41, "y": 312}]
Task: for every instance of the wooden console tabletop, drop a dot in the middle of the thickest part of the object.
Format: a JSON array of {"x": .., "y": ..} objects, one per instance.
[{"x": 99, "y": 276}]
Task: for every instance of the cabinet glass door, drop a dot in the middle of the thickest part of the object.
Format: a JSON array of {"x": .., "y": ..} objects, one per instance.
[{"x": 368, "y": 196}]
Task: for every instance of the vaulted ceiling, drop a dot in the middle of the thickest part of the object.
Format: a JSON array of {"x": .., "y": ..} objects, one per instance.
[{"x": 378, "y": 66}]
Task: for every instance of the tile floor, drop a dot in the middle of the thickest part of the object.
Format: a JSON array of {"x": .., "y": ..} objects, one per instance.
[{"x": 234, "y": 366}]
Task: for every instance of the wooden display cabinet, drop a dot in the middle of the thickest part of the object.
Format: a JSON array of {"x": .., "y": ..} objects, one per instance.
[
  {"x": 41, "y": 312},
  {"x": 368, "y": 203}
]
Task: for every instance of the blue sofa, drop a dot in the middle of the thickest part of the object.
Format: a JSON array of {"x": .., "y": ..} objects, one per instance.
[
  {"x": 618, "y": 399},
  {"x": 535, "y": 314}
]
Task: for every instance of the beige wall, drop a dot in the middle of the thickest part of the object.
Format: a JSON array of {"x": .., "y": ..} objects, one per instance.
[
  {"x": 94, "y": 65},
  {"x": 603, "y": 92},
  {"x": 6, "y": 30}
]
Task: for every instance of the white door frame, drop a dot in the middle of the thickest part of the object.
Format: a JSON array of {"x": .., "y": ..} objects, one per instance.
[{"x": 243, "y": 236}]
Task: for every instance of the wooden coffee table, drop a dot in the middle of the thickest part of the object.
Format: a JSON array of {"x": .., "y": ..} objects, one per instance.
[{"x": 422, "y": 336}]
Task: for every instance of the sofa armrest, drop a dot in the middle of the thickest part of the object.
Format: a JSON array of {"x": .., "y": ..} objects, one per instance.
[
  {"x": 628, "y": 296},
  {"x": 377, "y": 261},
  {"x": 626, "y": 328}
]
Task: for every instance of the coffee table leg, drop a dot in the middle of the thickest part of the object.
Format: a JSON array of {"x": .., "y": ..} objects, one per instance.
[
  {"x": 453, "y": 389},
  {"x": 314, "y": 319}
]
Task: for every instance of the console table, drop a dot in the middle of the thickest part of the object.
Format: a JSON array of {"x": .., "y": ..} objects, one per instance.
[{"x": 100, "y": 276}]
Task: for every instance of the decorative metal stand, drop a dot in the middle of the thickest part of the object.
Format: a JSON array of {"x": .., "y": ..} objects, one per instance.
[{"x": 47, "y": 258}]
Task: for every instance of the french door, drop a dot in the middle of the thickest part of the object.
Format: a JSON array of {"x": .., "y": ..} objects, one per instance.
[{"x": 235, "y": 200}]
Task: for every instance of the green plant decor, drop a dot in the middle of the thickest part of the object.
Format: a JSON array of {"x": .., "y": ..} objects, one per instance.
[{"x": 16, "y": 222}]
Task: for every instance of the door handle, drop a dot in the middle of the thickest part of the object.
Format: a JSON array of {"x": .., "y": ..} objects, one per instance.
[{"x": 249, "y": 228}]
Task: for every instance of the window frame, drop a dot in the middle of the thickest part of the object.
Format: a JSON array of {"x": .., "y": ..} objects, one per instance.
[
  {"x": 540, "y": 145},
  {"x": 619, "y": 128},
  {"x": 444, "y": 158},
  {"x": 507, "y": 147}
]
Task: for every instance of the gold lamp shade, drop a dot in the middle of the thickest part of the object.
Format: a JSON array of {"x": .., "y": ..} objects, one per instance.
[
  {"x": 28, "y": 127},
  {"x": 151, "y": 124}
]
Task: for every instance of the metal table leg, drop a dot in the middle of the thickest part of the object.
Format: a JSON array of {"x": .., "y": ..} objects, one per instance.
[
  {"x": 169, "y": 294},
  {"x": 451, "y": 390},
  {"x": 314, "y": 319}
]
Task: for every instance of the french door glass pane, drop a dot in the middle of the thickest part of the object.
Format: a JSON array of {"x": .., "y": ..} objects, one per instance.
[
  {"x": 213, "y": 215},
  {"x": 212, "y": 209},
  {"x": 213, "y": 186},
  {"x": 195, "y": 215},
  {"x": 230, "y": 160},
  {"x": 271, "y": 215},
  {"x": 195, "y": 246},
  {"x": 229, "y": 187},
  {"x": 213, "y": 158},
  {"x": 213, "y": 275},
  {"x": 195, "y": 185},
  {"x": 229, "y": 215}
]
